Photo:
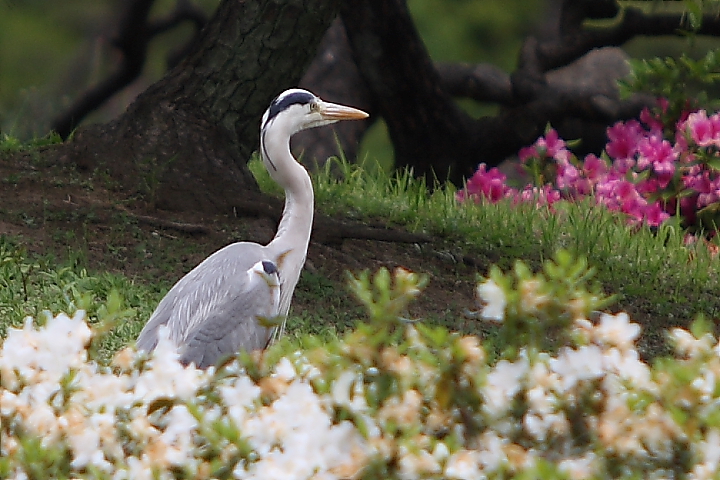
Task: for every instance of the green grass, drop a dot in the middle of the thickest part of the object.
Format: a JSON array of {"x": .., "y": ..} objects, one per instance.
[
  {"x": 660, "y": 281},
  {"x": 37, "y": 285},
  {"x": 654, "y": 272},
  {"x": 12, "y": 144}
]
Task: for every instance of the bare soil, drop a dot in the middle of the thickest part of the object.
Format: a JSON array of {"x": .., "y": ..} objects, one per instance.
[{"x": 84, "y": 218}]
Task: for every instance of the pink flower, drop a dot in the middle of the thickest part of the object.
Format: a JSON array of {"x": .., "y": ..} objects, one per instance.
[
  {"x": 622, "y": 195},
  {"x": 655, "y": 151},
  {"x": 707, "y": 189},
  {"x": 546, "y": 195},
  {"x": 654, "y": 215},
  {"x": 551, "y": 143},
  {"x": 704, "y": 131},
  {"x": 652, "y": 121},
  {"x": 647, "y": 187},
  {"x": 651, "y": 149},
  {"x": 643, "y": 166},
  {"x": 567, "y": 174},
  {"x": 484, "y": 183},
  {"x": 526, "y": 153},
  {"x": 622, "y": 165},
  {"x": 665, "y": 171},
  {"x": 594, "y": 168},
  {"x": 624, "y": 138}
]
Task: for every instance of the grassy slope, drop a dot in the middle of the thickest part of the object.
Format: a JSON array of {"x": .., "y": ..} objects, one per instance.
[{"x": 661, "y": 282}]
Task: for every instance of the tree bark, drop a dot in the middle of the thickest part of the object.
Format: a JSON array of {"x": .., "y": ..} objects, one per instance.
[
  {"x": 426, "y": 127},
  {"x": 185, "y": 141},
  {"x": 434, "y": 137},
  {"x": 334, "y": 76}
]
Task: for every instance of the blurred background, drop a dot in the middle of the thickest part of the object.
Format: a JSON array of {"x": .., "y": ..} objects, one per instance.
[{"x": 50, "y": 52}]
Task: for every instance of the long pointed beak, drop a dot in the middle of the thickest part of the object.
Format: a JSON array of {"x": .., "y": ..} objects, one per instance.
[{"x": 333, "y": 111}]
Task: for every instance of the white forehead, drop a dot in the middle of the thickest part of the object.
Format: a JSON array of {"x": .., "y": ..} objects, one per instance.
[{"x": 288, "y": 98}]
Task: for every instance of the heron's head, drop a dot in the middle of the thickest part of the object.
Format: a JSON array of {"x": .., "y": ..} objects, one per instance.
[
  {"x": 296, "y": 109},
  {"x": 268, "y": 271}
]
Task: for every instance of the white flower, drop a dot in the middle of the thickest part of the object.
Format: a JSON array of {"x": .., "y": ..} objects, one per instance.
[
  {"x": 626, "y": 364},
  {"x": 138, "y": 469},
  {"x": 709, "y": 453},
  {"x": 502, "y": 384},
  {"x": 617, "y": 330},
  {"x": 42, "y": 421},
  {"x": 573, "y": 366},
  {"x": 178, "y": 435},
  {"x": 48, "y": 352},
  {"x": 295, "y": 438},
  {"x": 494, "y": 298},
  {"x": 285, "y": 370},
  {"x": 705, "y": 384},
  {"x": 581, "y": 467},
  {"x": 491, "y": 451},
  {"x": 101, "y": 390},
  {"x": 540, "y": 425},
  {"x": 347, "y": 390},
  {"x": 85, "y": 444},
  {"x": 686, "y": 344},
  {"x": 440, "y": 452},
  {"x": 417, "y": 464},
  {"x": 240, "y": 397},
  {"x": 463, "y": 464},
  {"x": 167, "y": 377}
]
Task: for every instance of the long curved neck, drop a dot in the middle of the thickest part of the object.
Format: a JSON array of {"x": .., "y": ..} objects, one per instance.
[
  {"x": 293, "y": 234},
  {"x": 296, "y": 223}
]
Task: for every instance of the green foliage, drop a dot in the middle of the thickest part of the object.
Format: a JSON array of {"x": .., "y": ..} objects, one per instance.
[
  {"x": 420, "y": 399},
  {"x": 651, "y": 270},
  {"x": 541, "y": 307},
  {"x": 461, "y": 30},
  {"x": 32, "y": 286},
  {"x": 686, "y": 83},
  {"x": 11, "y": 144},
  {"x": 695, "y": 10},
  {"x": 386, "y": 296}
]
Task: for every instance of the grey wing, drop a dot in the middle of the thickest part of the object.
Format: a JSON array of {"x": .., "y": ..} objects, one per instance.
[
  {"x": 232, "y": 327},
  {"x": 216, "y": 279}
]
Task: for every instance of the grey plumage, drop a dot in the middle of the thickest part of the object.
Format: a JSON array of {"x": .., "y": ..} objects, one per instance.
[
  {"x": 215, "y": 309},
  {"x": 211, "y": 287},
  {"x": 241, "y": 320}
]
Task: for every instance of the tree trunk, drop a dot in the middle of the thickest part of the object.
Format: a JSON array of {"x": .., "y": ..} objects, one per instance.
[
  {"x": 426, "y": 127},
  {"x": 185, "y": 141},
  {"x": 334, "y": 76}
]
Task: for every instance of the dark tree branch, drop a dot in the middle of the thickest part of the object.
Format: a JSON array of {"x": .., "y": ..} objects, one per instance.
[
  {"x": 132, "y": 39},
  {"x": 184, "y": 143},
  {"x": 481, "y": 82},
  {"x": 184, "y": 11},
  {"x": 333, "y": 232},
  {"x": 191, "y": 228},
  {"x": 558, "y": 80},
  {"x": 575, "y": 41},
  {"x": 329, "y": 231}
]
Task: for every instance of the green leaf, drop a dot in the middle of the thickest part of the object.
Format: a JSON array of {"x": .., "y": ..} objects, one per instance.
[{"x": 701, "y": 326}]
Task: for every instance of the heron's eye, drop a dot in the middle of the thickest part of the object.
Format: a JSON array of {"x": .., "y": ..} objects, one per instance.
[{"x": 314, "y": 107}]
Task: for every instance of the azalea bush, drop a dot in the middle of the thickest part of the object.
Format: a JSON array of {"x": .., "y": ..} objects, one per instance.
[
  {"x": 393, "y": 399},
  {"x": 647, "y": 172},
  {"x": 664, "y": 164}
]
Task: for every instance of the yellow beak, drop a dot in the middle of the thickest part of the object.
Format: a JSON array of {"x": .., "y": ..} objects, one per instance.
[{"x": 333, "y": 111}]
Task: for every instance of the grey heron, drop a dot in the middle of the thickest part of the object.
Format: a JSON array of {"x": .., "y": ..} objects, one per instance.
[
  {"x": 258, "y": 293},
  {"x": 222, "y": 293}
]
